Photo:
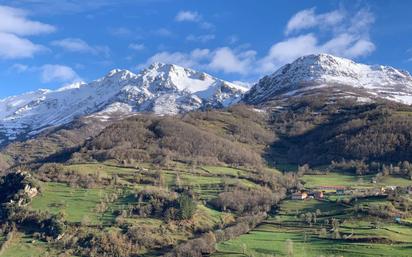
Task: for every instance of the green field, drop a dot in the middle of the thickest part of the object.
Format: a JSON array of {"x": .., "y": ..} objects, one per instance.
[
  {"x": 280, "y": 233},
  {"x": 77, "y": 204},
  {"x": 359, "y": 235},
  {"x": 217, "y": 170},
  {"x": 349, "y": 180},
  {"x": 270, "y": 238},
  {"x": 25, "y": 246}
]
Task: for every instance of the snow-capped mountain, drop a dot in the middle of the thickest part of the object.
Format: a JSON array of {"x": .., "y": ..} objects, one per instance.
[
  {"x": 337, "y": 76},
  {"x": 161, "y": 88}
]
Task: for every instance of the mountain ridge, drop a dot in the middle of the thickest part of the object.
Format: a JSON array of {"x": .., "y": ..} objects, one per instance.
[
  {"x": 168, "y": 89},
  {"x": 161, "y": 88},
  {"x": 335, "y": 74}
]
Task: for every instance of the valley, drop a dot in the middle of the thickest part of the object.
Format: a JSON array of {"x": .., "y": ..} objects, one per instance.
[
  {"x": 333, "y": 225},
  {"x": 312, "y": 174}
]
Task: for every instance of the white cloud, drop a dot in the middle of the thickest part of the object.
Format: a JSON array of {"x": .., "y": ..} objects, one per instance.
[
  {"x": 343, "y": 34},
  {"x": 58, "y": 73},
  {"x": 14, "y": 25},
  {"x": 188, "y": 16},
  {"x": 222, "y": 59},
  {"x": 348, "y": 45},
  {"x": 191, "y": 16},
  {"x": 301, "y": 20},
  {"x": 73, "y": 45},
  {"x": 200, "y": 38},
  {"x": 65, "y": 6},
  {"x": 191, "y": 60},
  {"x": 19, "y": 68},
  {"x": 226, "y": 60},
  {"x": 49, "y": 72},
  {"x": 286, "y": 51},
  {"x": 207, "y": 25},
  {"x": 345, "y": 37},
  {"x": 80, "y": 46},
  {"x": 14, "y": 47},
  {"x": 306, "y": 19},
  {"x": 15, "y": 21},
  {"x": 136, "y": 47},
  {"x": 199, "y": 54}
]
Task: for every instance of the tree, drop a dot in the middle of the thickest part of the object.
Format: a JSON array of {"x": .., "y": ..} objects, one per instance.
[{"x": 187, "y": 207}]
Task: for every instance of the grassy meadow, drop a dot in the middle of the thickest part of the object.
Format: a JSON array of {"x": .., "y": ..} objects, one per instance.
[{"x": 285, "y": 233}]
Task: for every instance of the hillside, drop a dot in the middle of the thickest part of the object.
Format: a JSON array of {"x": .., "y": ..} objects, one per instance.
[
  {"x": 219, "y": 181},
  {"x": 308, "y": 131},
  {"x": 313, "y": 132}
]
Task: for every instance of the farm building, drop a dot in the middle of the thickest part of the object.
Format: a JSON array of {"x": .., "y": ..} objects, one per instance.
[
  {"x": 318, "y": 194},
  {"x": 299, "y": 196}
]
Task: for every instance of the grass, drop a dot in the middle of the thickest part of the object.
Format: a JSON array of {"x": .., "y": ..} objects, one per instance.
[
  {"x": 104, "y": 171},
  {"x": 269, "y": 238},
  {"x": 77, "y": 204},
  {"x": 25, "y": 246},
  {"x": 349, "y": 180},
  {"x": 336, "y": 179},
  {"x": 273, "y": 242},
  {"x": 218, "y": 170},
  {"x": 395, "y": 181},
  {"x": 209, "y": 218}
]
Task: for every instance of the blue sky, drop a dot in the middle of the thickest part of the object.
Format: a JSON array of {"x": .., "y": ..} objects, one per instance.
[{"x": 46, "y": 44}]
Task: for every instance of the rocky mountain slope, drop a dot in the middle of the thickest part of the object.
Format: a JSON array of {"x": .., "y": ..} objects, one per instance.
[
  {"x": 338, "y": 77},
  {"x": 161, "y": 88},
  {"x": 170, "y": 89}
]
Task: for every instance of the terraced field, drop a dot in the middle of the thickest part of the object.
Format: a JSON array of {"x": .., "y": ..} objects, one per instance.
[
  {"x": 287, "y": 232},
  {"x": 76, "y": 204},
  {"x": 290, "y": 233}
]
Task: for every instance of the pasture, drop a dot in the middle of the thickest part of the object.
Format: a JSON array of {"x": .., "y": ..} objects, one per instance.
[{"x": 288, "y": 232}]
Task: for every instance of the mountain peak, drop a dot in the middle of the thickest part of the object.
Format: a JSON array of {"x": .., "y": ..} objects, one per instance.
[
  {"x": 327, "y": 73},
  {"x": 160, "y": 65},
  {"x": 160, "y": 88},
  {"x": 168, "y": 68},
  {"x": 120, "y": 74},
  {"x": 324, "y": 60}
]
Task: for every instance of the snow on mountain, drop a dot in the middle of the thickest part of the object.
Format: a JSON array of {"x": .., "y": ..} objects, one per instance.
[
  {"x": 161, "y": 88},
  {"x": 340, "y": 76}
]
